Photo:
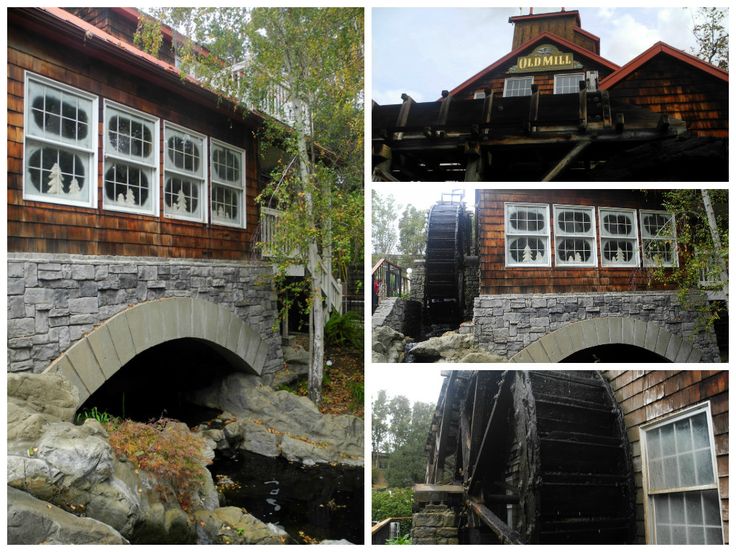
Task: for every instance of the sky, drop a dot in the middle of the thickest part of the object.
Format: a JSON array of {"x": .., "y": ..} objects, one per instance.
[
  {"x": 418, "y": 383},
  {"x": 422, "y": 51}
]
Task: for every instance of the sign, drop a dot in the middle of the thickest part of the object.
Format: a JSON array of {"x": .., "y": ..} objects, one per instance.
[{"x": 545, "y": 58}]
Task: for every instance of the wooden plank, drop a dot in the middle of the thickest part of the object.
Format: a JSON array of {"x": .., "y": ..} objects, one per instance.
[
  {"x": 565, "y": 161},
  {"x": 504, "y": 533}
]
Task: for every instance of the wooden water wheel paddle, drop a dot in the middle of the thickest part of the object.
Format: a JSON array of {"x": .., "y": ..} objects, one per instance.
[
  {"x": 448, "y": 238},
  {"x": 543, "y": 457}
]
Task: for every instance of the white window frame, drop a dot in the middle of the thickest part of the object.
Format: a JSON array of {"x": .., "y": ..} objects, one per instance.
[
  {"x": 90, "y": 152},
  {"x": 649, "y": 510},
  {"x": 560, "y": 76},
  {"x": 215, "y": 181},
  {"x": 479, "y": 95},
  {"x": 506, "y": 86},
  {"x": 170, "y": 170},
  {"x": 111, "y": 156},
  {"x": 589, "y": 236},
  {"x": 511, "y": 233},
  {"x": 604, "y": 235},
  {"x": 645, "y": 237}
]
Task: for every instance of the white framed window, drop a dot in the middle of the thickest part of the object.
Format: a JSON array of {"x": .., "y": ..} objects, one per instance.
[
  {"x": 527, "y": 234},
  {"x": 59, "y": 158},
  {"x": 185, "y": 173},
  {"x": 227, "y": 173},
  {"x": 619, "y": 243},
  {"x": 518, "y": 86},
  {"x": 575, "y": 243},
  {"x": 568, "y": 83},
  {"x": 680, "y": 479},
  {"x": 658, "y": 238},
  {"x": 479, "y": 95},
  {"x": 130, "y": 147}
]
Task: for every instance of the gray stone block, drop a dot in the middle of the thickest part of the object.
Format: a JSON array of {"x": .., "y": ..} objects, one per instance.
[{"x": 83, "y": 305}]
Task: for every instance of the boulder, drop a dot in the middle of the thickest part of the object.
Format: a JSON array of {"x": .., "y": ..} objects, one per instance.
[
  {"x": 296, "y": 365},
  {"x": 388, "y": 344},
  {"x": 451, "y": 347},
  {"x": 231, "y": 525},
  {"x": 33, "y": 521},
  {"x": 266, "y": 419}
]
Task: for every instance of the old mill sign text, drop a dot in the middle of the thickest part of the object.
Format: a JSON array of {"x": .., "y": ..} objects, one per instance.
[{"x": 545, "y": 58}]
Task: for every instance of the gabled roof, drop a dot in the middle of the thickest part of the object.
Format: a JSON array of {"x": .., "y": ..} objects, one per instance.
[
  {"x": 545, "y": 36},
  {"x": 661, "y": 48}
]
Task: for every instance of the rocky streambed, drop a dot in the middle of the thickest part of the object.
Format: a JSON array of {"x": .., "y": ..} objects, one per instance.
[{"x": 68, "y": 485}]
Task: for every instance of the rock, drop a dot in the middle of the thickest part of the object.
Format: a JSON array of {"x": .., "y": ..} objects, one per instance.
[
  {"x": 296, "y": 365},
  {"x": 266, "y": 419},
  {"x": 341, "y": 541},
  {"x": 32, "y": 521},
  {"x": 388, "y": 345},
  {"x": 231, "y": 525},
  {"x": 451, "y": 347},
  {"x": 34, "y": 401}
]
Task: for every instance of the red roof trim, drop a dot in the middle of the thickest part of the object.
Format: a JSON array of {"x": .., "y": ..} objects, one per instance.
[
  {"x": 661, "y": 48},
  {"x": 544, "y": 36},
  {"x": 532, "y": 16}
]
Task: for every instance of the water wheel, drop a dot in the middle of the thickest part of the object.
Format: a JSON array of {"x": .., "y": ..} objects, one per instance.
[
  {"x": 542, "y": 456},
  {"x": 448, "y": 238}
]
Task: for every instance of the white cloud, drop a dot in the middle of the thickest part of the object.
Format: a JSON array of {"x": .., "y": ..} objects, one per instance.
[
  {"x": 627, "y": 39},
  {"x": 605, "y": 13}
]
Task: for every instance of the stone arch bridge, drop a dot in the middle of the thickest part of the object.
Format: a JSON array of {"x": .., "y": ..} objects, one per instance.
[
  {"x": 552, "y": 327},
  {"x": 87, "y": 316}
]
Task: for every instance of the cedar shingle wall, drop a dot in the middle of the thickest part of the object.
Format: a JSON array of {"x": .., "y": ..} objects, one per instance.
[
  {"x": 495, "y": 278},
  {"x": 44, "y": 227},
  {"x": 545, "y": 81},
  {"x": 645, "y": 396},
  {"x": 665, "y": 84}
]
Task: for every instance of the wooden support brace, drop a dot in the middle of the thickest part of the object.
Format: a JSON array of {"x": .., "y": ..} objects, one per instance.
[
  {"x": 487, "y": 112},
  {"x": 565, "y": 161},
  {"x": 444, "y": 109},
  {"x": 403, "y": 115},
  {"x": 583, "y": 106},
  {"x": 504, "y": 533},
  {"x": 606, "y": 108}
]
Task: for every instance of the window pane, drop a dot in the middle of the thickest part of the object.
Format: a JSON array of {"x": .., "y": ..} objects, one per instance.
[
  {"x": 695, "y": 535},
  {"x": 700, "y": 431},
  {"x": 694, "y": 508},
  {"x": 667, "y": 435},
  {"x": 574, "y": 251},
  {"x": 618, "y": 251},
  {"x": 181, "y": 197},
  {"x": 671, "y": 475},
  {"x": 225, "y": 204},
  {"x": 57, "y": 172},
  {"x": 127, "y": 186},
  {"x": 711, "y": 508},
  {"x": 714, "y": 536},
  {"x": 527, "y": 250},
  {"x": 687, "y": 470},
  {"x": 683, "y": 435},
  {"x": 527, "y": 220},
  {"x": 184, "y": 153},
  {"x": 677, "y": 508},
  {"x": 574, "y": 222},
  {"x": 618, "y": 224},
  {"x": 656, "y": 474},
  {"x": 657, "y": 224},
  {"x": 704, "y": 467}
]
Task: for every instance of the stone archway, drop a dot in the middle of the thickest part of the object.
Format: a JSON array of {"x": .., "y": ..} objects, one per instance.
[
  {"x": 560, "y": 344},
  {"x": 96, "y": 357}
]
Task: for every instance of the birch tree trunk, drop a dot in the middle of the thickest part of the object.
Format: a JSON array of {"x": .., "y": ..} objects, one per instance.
[{"x": 723, "y": 269}]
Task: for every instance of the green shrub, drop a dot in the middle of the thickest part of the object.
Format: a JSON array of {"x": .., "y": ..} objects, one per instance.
[
  {"x": 401, "y": 539},
  {"x": 166, "y": 449},
  {"x": 393, "y": 503},
  {"x": 344, "y": 330}
]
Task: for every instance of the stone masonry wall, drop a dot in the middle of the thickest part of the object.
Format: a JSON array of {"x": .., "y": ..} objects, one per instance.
[
  {"x": 417, "y": 281},
  {"x": 472, "y": 285},
  {"x": 506, "y": 324},
  {"x": 53, "y": 300},
  {"x": 436, "y": 524}
]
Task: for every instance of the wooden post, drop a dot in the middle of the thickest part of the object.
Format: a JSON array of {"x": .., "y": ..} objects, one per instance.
[
  {"x": 663, "y": 125},
  {"x": 474, "y": 162},
  {"x": 583, "y": 106},
  {"x": 565, "y": 161},
  {"x": 504, "y": 533},
  {"x": 533, "y": 108},
  {"x": 619, "y": 123},
  {"x": 444, "y": 109},
  {"x": 403, "y": 115},
  {"x": 487, "y": 112}
]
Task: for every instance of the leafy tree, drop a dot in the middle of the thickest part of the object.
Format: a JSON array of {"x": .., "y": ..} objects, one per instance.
[
  {"x": 412, "y": 234},
  {"x": 711, "y": 33},
  {"x": 702, "y": 243},
  {"x": 307, "y": 63},
  {"x": 379, "y": 426},
  {"x": 384, "y": 214},
  {"x": 393, "y": 503}
]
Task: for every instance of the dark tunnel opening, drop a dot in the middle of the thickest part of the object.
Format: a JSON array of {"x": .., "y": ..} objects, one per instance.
[
  {"x": 157, "y": 382},
  {"x": 615, "y": 352}
]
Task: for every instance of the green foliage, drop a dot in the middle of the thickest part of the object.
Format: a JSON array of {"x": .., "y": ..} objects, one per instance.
[
  {"x": 401, "y": 539},
  {"x": 412, "y": 233},
  {"x": 383, "y": 217},
  {"x": 357, "y": 391},
  {"x": 166, "y": 449},
  {"x": 344, "y": 329},
  {"x": 148, "y": 35},
  {"x": 393, "y": 503},
  {"x": 101, "y": 416},
  {"x": 711, "y": 34},
  {"x": 696, "y": 249}
]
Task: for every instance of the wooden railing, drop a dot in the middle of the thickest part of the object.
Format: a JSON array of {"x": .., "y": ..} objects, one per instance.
[{"x": 331, "y": 287}]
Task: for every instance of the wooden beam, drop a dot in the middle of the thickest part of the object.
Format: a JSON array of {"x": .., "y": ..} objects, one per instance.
[
  {"x": 583, "y": 106},
  {"x": 487, "y": 111},
  {"x": 533, "y": 108},
  {"x": 504, "y": 533},
  {"x": 619, "y": 122},
  {"x": 565, "y": 161},
  {"x": 403, "y": 115}
]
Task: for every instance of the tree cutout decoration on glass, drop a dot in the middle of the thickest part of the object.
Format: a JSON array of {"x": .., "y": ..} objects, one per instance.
[
  {"x": 130, "y": 198},
  {"x": 75, "y": 187},
  {"x": 180, "y": 203},
  {"x": 620, "y": 257},
  {"x": 528, "y": 258},
  {"x": 55, "y": 182}
]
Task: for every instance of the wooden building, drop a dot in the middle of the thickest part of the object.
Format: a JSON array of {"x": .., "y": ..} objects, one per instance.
[
  {"x": 554, "y": 109},
  {"x": 579, "y": 457}
]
